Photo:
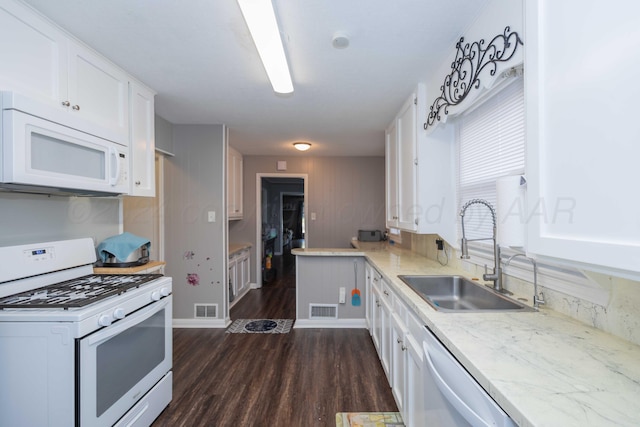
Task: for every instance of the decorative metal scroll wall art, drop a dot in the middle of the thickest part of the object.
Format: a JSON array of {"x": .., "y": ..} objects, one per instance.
[{"x": 471, "y": 60}]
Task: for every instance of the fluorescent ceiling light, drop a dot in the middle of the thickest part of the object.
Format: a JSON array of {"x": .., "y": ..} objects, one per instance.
[
  {"x": 302, "y": 146},
  {"x": 261, "y": 20}
]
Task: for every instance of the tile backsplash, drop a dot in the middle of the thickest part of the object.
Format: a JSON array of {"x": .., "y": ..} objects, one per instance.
[{"x": 620, "y": 316}]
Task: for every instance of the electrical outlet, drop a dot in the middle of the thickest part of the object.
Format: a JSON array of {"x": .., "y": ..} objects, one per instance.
[
  {"x": 440, "y": 244},
  {"x": 211, "y": 216}
]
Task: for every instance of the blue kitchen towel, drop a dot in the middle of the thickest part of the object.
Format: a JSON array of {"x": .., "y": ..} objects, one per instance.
[{"x": 121, "y": 246}]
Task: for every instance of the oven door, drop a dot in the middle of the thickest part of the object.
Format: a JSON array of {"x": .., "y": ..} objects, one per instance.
[{"x": 119, "y": 364}]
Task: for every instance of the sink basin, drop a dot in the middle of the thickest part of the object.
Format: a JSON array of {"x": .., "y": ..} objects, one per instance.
[{"x": 459, "y": 294}]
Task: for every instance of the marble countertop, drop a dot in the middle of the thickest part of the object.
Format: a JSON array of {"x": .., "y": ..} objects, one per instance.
[
  {"x": 237, "y": 247},
  {"x": 543, "y": 368}
]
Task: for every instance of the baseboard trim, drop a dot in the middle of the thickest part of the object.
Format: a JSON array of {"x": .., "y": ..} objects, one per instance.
[
  {"x": 201, "y": 323},
  {"x": 332, "y": 323}
]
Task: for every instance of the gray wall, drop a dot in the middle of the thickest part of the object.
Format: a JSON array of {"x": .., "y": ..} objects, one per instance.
[
  {"x": 319, "y": 281},
  {"x": 346, "y": 193},
  {"x": 194, "y": 185},
  {"x": 33, "y": 218}
]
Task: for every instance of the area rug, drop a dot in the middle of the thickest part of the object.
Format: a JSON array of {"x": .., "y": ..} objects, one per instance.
[
  {"x": 260, "y": 326},
  {"x": 368, "y": 419}
]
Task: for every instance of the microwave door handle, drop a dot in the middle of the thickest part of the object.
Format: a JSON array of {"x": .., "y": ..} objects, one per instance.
[{"x": 113, "y": 155}]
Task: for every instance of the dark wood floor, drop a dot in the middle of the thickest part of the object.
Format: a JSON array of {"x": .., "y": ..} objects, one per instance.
[{"x": 297, "y": 379}]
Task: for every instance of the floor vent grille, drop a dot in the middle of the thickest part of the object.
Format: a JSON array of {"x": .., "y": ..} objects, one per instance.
[
  {"x": 323, "y": 311},
  {"x": 208, "y": 311}
]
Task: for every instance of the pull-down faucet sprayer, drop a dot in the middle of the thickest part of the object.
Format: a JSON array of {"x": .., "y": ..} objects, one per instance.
[{"x": 496, "y": 277}]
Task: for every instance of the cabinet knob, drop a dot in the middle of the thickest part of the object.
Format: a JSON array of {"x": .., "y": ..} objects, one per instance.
[
  {"x": 137, "y": 182},
  {"x": 76, "y": 107},
  {"x": 399, "y": 340},
  {"x": 404, "y": 347},
  {"x": 386, "y": 293},
  {"x": 66, "y": 103}
]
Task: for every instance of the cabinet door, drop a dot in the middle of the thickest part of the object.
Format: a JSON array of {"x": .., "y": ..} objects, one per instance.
[
  {"x": 233, "y": 278},
  {"x": 369, "y": 306},
  {"x": 385, "y": 336},
  {"x": 391, "y": 175},
  {"x": 142, "y": 142},
  {"x": 237, "y": 179},
  {"x": 376, "y": 320},
  {"x": 407, "y": 168},
  {"x": 243, "y": 272},
  {"x": 33, "y": 55},
  {"x": 414, "y": 397},
  {"x": 398, "y": 360},
  {"x": 234, "y": 184},
  {"x": 582, "y": 132},
  {"x": 99, "y": 93}
]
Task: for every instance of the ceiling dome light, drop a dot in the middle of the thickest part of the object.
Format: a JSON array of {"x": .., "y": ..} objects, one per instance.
[
  {"x": 302, "y": 146},
  {"x": 340, "y": 41}
]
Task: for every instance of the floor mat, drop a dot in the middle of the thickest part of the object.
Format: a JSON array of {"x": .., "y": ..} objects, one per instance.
[
  {"x": 260, "y": 326},
  {"x": 368, "y": 419}
]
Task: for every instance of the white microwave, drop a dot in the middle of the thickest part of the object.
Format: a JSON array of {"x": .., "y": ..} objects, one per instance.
[{"x": 45, "y": 150}]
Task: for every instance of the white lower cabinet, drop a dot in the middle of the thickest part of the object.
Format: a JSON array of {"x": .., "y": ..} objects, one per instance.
[
  {"x": 243, "y": 272},
  {"x": 385, "y": 336},
  {"x": 397, "y": 335},
  {"x": 239, "y": 268},
  {"x": 398, "y": 360}
]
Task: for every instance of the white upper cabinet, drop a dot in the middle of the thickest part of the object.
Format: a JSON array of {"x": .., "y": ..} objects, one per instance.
[
  {"x": 33, "y": 54},
  {"x": 234, "y": 184},
  {"x": 142, "y": 141},
  {"x": 98, "y": 92},
  {"x": 583, "y": 138},
  {"x": 41, "y": 61},
  {"x": 391, "y": 175},
  {"x": 407, "y": 163},
  {"x": 400, "y": 171},
  {"x": 420, "y": 180}
]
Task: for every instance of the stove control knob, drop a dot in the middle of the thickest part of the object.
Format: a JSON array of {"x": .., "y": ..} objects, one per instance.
[
  {"x": 118, "y": 313},
  {"x": 165, "y": 292},
  {"x": 155, "y": 295},
  {"x": 104, "y": 320}
]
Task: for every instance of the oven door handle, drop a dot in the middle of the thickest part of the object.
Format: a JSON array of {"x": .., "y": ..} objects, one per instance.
[{"x": 124, "y": 324}]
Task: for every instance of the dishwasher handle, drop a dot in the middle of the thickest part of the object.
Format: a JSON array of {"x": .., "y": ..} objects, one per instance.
[{"x": 449, "y": 394}]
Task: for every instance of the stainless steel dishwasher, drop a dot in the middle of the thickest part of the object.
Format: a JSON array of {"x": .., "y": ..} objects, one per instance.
[{"x": 452, "y": 396}]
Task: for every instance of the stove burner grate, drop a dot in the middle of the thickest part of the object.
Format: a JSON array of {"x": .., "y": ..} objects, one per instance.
[{"x": 78, "y": 292}]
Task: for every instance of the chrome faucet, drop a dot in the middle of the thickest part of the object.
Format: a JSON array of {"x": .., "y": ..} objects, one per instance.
[
  {"x": 496, "y": 277},
  {"x": 537, "y": 298}
]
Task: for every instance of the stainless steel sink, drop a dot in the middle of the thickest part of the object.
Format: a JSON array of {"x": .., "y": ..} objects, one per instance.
[{"x": 459, "y": 294}]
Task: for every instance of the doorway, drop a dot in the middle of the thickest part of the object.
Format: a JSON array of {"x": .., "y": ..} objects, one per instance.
[
  {"x": 292, "y": 221},
  {"x": 281, "y": 210}
]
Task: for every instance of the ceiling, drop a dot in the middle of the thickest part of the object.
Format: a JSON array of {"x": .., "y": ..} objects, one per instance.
[{"x": 199, "y": 57}]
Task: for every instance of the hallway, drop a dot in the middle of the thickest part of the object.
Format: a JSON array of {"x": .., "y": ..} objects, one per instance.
[{"x": 276, "y": 299}]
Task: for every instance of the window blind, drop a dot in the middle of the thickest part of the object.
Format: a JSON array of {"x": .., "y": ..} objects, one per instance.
[{"x": 491, "y": 144}]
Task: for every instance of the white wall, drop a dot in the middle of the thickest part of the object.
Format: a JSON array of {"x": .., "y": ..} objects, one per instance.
[{"x": 32, "y": 218}]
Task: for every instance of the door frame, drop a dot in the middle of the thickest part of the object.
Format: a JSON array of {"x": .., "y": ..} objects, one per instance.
[{"x": 258, "y": 242}]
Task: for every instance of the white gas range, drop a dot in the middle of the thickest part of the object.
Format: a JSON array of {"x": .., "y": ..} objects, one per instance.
[{"x": 78, "y": 349}]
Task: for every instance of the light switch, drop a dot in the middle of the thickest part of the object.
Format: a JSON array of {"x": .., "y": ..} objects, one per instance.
[
  {"x": 342, "y": 296},
  {"x": 211, "y": 216},
  {"x": 313, "y": 216}
]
